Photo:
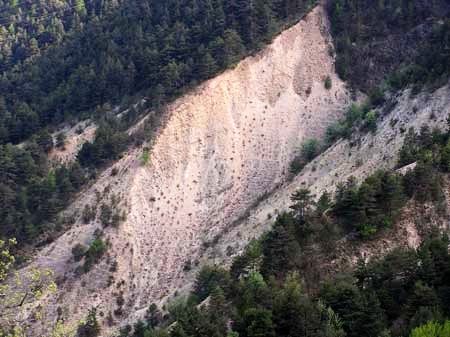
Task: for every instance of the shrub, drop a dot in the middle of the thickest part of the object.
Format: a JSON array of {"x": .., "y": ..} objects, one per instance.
[
  {"x": 370, "y": 121},
  {"x": 145, "y": 155},
  {"x": 376, "y": 96},
  {"x": 328, "y": 83},
  {"x": 187, "y": 265},
  {"x": 114, "y": 171},
  {"x": 309, "y": 150},
  {"x": 297, "y": 165},
  {"x": 106, "y": 215},
  {"x": 78, "y": 251},
  {"x": 367, "y": 231},
  {"x": 343, "y": 128},
  {"x": 88, "y": 214},
  {"x": 60, "y": 140},
  {"x": 208, "y": 278},
  {"x": 94, "y": 253},
  {"x": 432, "y": 329}
]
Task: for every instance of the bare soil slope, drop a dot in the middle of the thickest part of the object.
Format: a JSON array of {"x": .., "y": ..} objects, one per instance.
[
  {"x": 75, "y": 137},
  {"x": 348, "y": 158},
  {"x": 223, "y": 148}
]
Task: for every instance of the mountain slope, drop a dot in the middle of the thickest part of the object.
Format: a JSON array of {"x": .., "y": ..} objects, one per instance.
[
  {"x": 358, "y": 157},
  {"x": 223, "y": 147}
]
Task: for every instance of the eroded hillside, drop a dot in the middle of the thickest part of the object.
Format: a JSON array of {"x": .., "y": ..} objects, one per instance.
[
  {"x": 359, "y": 157},
  {"x": 223, "y": 148}
]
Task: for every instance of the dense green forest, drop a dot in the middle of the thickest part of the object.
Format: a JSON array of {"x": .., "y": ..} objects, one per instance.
[
  {"x": 27, "y": 28},
  {"x": 268, "y": 291},
  {"x": 33, "y": 192},
  {"x": 159, "y": 47},
  {"x": 373, "y": 39}
]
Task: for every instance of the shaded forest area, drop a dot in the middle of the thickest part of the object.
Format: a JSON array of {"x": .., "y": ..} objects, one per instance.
[{"x": 373, "y": 39}]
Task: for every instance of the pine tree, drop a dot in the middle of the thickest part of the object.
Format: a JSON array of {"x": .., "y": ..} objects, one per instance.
[
  {"x": 371, "y": 321},
  {"x": 279, "y": 251},
  {"x": 294, "y": 313},
  {"x": 80, "y": 7},
  {"x": 252, "y": 292},
  {"x": 217, "y": 311},
  {"x": 409, "y": 152},
  {"x": 324, "y": 203},
  {"x": 302, "y": 204},
  {"x": 45, "y": 141},
  {"x": 392, "y": 194},
  {"x": 258, "y": 323},
  {"x": 217, "y": 302},
  {"x": 425, "y": 139},
  {"x": 206, "y": 64},
  {"x": 422, "y": 296},
  {"x": 233, "y": 47},
  {"x": 263, "y": 19},
  {"x": 218, "y": 18},
  {"x": 367, "y": 204},
  {"x": 346, "y": 205}
]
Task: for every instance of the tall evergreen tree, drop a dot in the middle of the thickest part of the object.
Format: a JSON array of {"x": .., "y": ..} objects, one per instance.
[{"x": 279, "y": 251}]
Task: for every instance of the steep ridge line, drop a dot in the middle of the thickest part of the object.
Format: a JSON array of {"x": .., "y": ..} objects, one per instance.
[{"x": 223, "y": 147}]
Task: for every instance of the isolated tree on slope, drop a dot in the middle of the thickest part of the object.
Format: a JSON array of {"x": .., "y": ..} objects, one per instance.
[{"x": 303, "y": 202}]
